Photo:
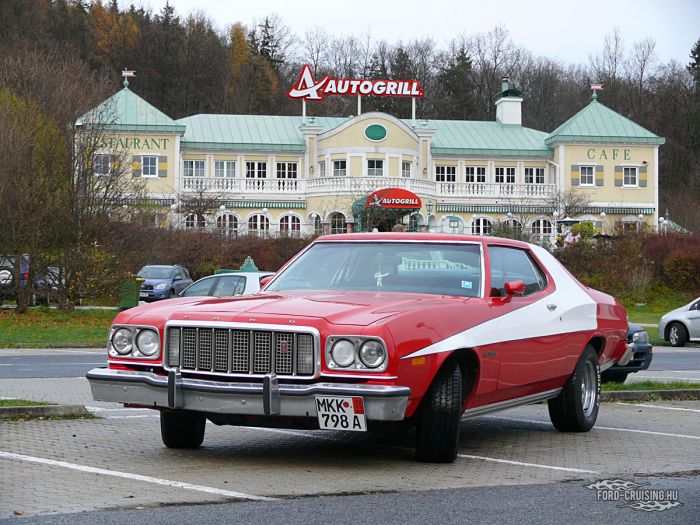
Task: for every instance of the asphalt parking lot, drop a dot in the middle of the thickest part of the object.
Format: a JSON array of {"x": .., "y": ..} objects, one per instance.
[{"x": 117, "y": 461}]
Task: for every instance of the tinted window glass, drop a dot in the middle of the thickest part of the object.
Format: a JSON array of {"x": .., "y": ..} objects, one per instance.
[
  {"x": 199, "y": 288},
  {"x": 427, "y": 268},
  {"x": 513, "y": 264},
  {"x": 229, "y": 285}
]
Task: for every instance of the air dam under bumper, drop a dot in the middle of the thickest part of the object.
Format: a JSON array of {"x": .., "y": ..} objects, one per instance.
[{"x": 382, "y": 403}]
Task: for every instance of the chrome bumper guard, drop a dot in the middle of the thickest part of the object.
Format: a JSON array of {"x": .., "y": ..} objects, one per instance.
[
  {"x": 382, "y": 403},
  {"x": 627, "y": 356}
]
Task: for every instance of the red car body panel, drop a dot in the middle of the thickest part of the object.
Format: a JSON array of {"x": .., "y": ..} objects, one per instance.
[{"x": 410, "y": 323}]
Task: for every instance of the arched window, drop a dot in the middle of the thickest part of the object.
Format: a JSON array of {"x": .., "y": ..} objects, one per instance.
[
  {"x": 290, "y": 225},
  {"x": 258, "y": 225},
  {"x": 318, "y": 225},
  {"x": 227, "y": 224},
  {"x": 194, "y": 220},
  {"x": 414, "y": 221},
  {"x": 338, "y": 223},
  {"x": 481, "y": 226},
  {"x": 515, "y": 229},
  {"x": 541, "y": 227}
]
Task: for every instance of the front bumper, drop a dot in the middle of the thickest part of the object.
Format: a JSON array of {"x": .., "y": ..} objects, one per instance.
[
  {"x": 637, "y": 357},
  {"x": 382, "y": 403}
]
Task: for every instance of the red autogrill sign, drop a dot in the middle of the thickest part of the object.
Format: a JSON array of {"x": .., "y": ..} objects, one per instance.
[
  {"x": 309, "y": 89},
  {"x": 393, "y": 198}
]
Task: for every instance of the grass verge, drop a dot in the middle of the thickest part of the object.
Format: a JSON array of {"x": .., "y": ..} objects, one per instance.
[
  {"x": 649, "y": 385},
  {"x": 44, "y": 327},
  {"x": 21, "y": 403},
  {"x": 662, "y": 302}
]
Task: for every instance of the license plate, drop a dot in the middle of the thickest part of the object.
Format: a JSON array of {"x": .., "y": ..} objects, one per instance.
[
  {"x": 143, "y": 294},
  {"x": 341, "y": 413}
]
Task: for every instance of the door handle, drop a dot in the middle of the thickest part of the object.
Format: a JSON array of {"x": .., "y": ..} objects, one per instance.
[{"x": 551, "y": 307}]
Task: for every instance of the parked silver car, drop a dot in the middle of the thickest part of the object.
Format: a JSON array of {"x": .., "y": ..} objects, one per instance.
[
  {"x": 226, "y": 284},
  {"x": 681, "y": 325}
]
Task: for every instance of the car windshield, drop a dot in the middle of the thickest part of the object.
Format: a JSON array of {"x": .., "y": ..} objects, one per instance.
[
  {"x": 155, "y": 272},
  {"x": 429, "y": 268}
]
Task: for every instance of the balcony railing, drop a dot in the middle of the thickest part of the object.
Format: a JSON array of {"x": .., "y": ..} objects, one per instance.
[{"x": 362, "y": 185}]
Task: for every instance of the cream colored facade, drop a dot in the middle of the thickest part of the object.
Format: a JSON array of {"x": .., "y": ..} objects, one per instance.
[{"x": 309, "y": 185}]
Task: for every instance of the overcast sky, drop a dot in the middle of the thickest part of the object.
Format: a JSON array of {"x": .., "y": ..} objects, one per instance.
[{"x": 564, "y": 29}]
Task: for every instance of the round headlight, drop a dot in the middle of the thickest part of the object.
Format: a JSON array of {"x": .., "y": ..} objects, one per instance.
[
  {"x": 343, "y": 353},
  {"x": 372, "y": 354},
  {"x": 148, "y": 342},
  {"x": 122, "y": 341}
]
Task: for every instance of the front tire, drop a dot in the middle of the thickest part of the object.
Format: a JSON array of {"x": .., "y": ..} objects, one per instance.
[
  {"x": 182, "y": 429},
  {"x": 575, "y": 409},
  {"x": 677, "y": 335},
  {"x": 437, "y": 430}
]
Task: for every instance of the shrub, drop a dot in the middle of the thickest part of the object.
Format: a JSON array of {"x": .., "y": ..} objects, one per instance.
[{"x": 682, "y": 270}]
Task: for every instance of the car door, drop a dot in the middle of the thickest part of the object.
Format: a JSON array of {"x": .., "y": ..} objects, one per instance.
[
  {"x": 527, "y": 364},
  {"x": 693, "y": 316}
]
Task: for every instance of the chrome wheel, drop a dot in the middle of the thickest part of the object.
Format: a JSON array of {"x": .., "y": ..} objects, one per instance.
[
  {"x": 589, "y": 388},
  {"x": 673, "y": 335}
]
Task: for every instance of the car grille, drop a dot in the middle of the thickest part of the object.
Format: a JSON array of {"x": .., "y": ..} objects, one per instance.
[{"x": 228, "y": 351}]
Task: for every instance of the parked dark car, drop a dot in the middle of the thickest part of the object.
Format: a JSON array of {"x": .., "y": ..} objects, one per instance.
[
  {"x": 226, "y": 284},
  {"x": 162, "y": 281},
  {"x": 8, "y": 288},
  {"x": 639, "y": 356}
]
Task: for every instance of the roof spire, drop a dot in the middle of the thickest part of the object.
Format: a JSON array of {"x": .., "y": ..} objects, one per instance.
[
  {"x": 126, "y": 73},
  {"x": 595, "y": 88}
]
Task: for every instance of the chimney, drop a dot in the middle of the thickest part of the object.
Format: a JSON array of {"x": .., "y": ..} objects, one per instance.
[{"x": 508, "y": 106}]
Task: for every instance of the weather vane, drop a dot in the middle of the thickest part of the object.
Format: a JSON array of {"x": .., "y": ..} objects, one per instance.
[
  {"x": 126, "y": 73},
  {"x": 596, "y": 87}
]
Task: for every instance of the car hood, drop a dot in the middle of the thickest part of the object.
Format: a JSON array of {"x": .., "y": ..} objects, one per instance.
[{"x": 344, "y": 307}]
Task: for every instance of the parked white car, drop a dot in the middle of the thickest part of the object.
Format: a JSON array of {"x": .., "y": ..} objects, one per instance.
[
  {"x": 681, "y": 325},
  {"x": 226, "y": 284}
]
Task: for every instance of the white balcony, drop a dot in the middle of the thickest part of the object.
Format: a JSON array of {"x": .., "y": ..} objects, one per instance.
[{"x": 360, "y": 186}]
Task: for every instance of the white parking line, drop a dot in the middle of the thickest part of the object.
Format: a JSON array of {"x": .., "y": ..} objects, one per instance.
[
  {"x": 657, "y": 406},
  {"x": 524, "y": 464},
  {"x": 135, "y": 477},
  {"x": 598, "y": 427}
]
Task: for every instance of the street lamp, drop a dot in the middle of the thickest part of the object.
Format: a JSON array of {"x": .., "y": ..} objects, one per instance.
[
  {"x": 602, "y": 222},
  {"x": 222, "y": 207},
  {"x": 640, "y": 219}
]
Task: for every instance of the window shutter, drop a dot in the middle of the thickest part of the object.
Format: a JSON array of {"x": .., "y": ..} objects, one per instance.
[
  {"x": 642, "y": 176},
  {"x": 575, "y": 174},
  {"x": 618, "y": 175},
  {"x": 163, "y": 166},
  {"x": 599, "y": 179},
  {"x": 136, "y": 166}
]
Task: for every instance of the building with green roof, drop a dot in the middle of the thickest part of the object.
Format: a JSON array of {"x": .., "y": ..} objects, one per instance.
[{"x": 295, "y": 174}]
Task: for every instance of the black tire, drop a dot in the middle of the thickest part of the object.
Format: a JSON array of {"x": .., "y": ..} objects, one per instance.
[
  {"x": 437, "y": 430},
  {"x": 572, "y": 410},
  {"x": 613, "y": 376},
  {"x": 182, "y": 429},
  {"x": 677, "y": 335}
]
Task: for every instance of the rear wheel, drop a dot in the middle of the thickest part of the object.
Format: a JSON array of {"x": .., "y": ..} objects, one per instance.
[
  {"x": 437, "y": 430},
  {"x": 575, "y": 409},
  {"x": 677, "y": 334},
  {"x": 182, "y": 429}
]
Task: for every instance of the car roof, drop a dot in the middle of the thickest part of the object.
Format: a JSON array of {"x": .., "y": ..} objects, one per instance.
[
  {"x": 236, "y": 274},
  {"x": 422, "y": 236}
]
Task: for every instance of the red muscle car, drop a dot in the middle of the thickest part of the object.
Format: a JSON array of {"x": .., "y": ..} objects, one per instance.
[{"x": 361, "y": 329}]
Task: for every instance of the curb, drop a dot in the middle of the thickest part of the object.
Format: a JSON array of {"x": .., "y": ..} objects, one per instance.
[
  {"x": 43, "y": 411},
  {"x": 67, "y": 346},
  {"x": 643, "y": 395}
]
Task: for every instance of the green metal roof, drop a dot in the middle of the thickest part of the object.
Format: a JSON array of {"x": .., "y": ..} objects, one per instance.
[
  {"x": 598, "y": 123},
  {"x": 282, "y": 133},
  {"x": 249, "y": 132},
  {"x": 126, "y": 111},
  {"x": 466, "y": 137}
]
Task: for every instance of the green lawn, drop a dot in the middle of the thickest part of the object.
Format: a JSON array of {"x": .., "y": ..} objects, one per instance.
[
  {"x": 21, "y": 403},
  {"x": 650, "y": 385},
  {"x": 652, "y": 311},
  {"x": 44, "y": 327}
]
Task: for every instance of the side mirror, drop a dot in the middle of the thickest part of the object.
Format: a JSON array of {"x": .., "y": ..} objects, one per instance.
[
  {"x": 265, "y": 280},
  {"x": 515, "y": 287}
]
